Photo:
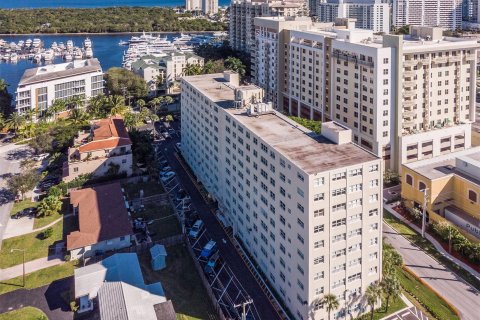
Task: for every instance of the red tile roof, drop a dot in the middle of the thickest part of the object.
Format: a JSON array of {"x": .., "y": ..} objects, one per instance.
[
  {"x": 102, "y": 215},
  {"x": 108, "y": 134}
]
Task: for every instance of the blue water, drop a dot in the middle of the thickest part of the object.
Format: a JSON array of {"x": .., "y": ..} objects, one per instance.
[
  {"x": 105, "y": 48},
  {"x": 10, "y": 4}
]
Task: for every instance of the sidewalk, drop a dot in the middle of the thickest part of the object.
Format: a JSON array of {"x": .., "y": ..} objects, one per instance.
[
  {"x": 30, "y": 266},
  {"x": 389, "y": 208}
]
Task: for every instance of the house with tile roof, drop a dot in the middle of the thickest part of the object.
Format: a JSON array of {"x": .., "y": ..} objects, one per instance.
[
  {"x": 103, "y": 221},
  {"x": 105, "y": 149}
]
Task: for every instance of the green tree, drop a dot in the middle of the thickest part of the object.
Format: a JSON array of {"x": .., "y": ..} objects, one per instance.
[
  {"x": 50, "y": 205},
  {"x": 168, "y": 100},
  {"x": 77, "y": 116},
  {"x": 28, "y": 130},
  {"x": 47, "y": 233},
  {"x": 41, "y": 143},
  {"x": 57, "y": 106},
  {"x": 117, "y": 105},
  {"x": 5, "y": 98},
  {"x": 23, "y": 182},
  {"x": 123, "y": 82},
  {"x": 391, "y": 177},
  {"x": 168, "y": 118},
  {"x": 373, "y": 294},
  {"x": 15, "y": 122},
  {"x": 192, "y": 69},
  {"x": 235, "y": 64},
  {"x": 390, "y": 286},
  {"x": 132, "y": 120},
  {"x": 55, "y": 191},
  {"x": 97, "y": 106},
  {"x": 140, "y": 103},
  {"x": 331, "y": 303}
]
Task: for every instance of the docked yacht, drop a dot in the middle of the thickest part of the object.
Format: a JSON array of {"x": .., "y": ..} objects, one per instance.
[
  {"x": 69, "y": 45},
  {"x": 78, "y": 54},
  {"x": 28, "y": 43},
  {"x": 36, "y": 43},
  {"x": 13, "y": 57},
  {"x": 68, "y": 56},
  {"x": 37, "y": 58},
  {"x": 48, "y": 55}
]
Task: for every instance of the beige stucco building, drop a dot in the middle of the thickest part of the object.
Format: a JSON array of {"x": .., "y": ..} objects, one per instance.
[
  {"x": 105, "y": 149},
  {"x": 307, "y": 207}
]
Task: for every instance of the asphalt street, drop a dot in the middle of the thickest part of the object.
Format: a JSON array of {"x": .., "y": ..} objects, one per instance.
[
  {"x": 217, "y": 233},
  {"x": 10, "y": 157},
  {"x": 460, "y": 294}
]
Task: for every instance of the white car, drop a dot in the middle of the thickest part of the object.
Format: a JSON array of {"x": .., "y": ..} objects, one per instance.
[
  {"x": 41, "y": 157},
  {"x": 196, "y": 228}
]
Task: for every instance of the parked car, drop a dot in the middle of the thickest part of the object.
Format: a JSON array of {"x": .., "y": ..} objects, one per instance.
[
  {"x": 41, "y": 157},
  {"x": 212, "y": 262},
  {"x": 167, "y": 176},
  {"x": 178, "y": 146},
  {"x": 166, "y": 135},
  {"x": 166, "y": 168},
  {"x": 195, "y": 231},
  {"x": 209, "y": 249}
]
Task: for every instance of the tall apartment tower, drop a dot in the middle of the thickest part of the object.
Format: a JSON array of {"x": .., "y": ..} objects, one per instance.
[
  {"x": 433, "y": 13},
  {"x": 193, "y": 5},
  {"x": 206, "y": 6},
  {"x": 307, "y": 207},
  {"x": 243, "y": 13},
  {"x": 370, "y": 14},
  {"x": 405, "y": 98}
]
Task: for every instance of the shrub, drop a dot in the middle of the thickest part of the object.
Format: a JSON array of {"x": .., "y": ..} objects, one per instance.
[
  {"x": 73, "y": 306},
  {"x": 55, "y": 191},
  {"x": 67, "y": 257},
  {"x": 47, "y": 233},
  {"x": 391, "y": 177}
]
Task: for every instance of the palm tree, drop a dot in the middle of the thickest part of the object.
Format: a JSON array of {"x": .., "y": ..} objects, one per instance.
[
  {"x": 30, "y": 114},
  {"x": 76, "y": 102},
  {"x": 192, "y": 70},
  {"x": 168, "y": 100},
  {"x": 96, "y": 106},
  {"x": 57, "y": 106},
  {"x": 15, "y": 121},
  {"x": 2, "y": 121},
  {"x": 209, "y": 67},
  {"x": 77, "y": 116},
  {"x": 372, "y": 294},
  {"x": 331, "y": 303},
  {"x": 390, "y": 288},
  {"x": 236, "y": 65},
  {"x": 28, "y": 130},
  {"x": 140, "y": 103},
  {"x": 3, "y": 85},
  {"x": 391, "y": 260},
  {"x": 49, "y": 206},
  {"x": 132, "y": 120},
  {"x": 155, "y": 103}
]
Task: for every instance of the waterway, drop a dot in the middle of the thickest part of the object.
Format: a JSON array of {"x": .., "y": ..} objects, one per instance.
[
  {"x": 105, "y": 49},
  {"x": 14, "y": 4}
]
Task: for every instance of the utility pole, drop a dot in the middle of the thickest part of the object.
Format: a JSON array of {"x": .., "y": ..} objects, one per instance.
[
  {"x": 424, "y": 212},
  {"x": 23, "y": 251},
  {"x": 243, "y": 305}
]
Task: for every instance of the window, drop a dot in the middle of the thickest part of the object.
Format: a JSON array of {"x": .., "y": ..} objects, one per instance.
[
  {"x": 339, "y": 237},
  {"x": 338, "y": 192},
  {"x": 318, "y": 260},
  {"x": 355, "y": 172},
  {"x": 318, "y": 213},
  {"x": 373, "y": 212},
  {"x": 409, "y": 179},
  {"x": 300, "y": 223},
  {"x": 339, "y": 176},
  {"x": 300, "y": 207},
  {"x": 355, "y": 188},
  {"x": 421, "y": 186},
  {"x": 472, "y": 196},
  {"x": 373, "y": 198},
  {"x": 318, "y": 244},
  {"x": 339, "y": 222},
  {"x": 318, "y": 228},
  {"x": 319, "y": 275},
  {"x": 318, "y": 197},
  {"x": 338, "y": 207},
  {"x": 317, "y": 182}
]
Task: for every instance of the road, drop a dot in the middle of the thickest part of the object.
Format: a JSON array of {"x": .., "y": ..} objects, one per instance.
[
  {"x": 217, "y": 233},
  {"x": 460, "y": 294},
  {"x": 10, "y": 157}
]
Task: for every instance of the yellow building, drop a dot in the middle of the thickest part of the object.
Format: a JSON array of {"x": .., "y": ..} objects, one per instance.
[{"x": 452, "y": 184}]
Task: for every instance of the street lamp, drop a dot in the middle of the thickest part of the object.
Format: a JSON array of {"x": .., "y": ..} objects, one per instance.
[{"x": 22, "y": 250}]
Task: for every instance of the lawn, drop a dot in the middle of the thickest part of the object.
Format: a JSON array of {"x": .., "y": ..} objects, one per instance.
[
  {"x": 182, "y": 284},
  {"x": 165, "y": 222},
  {"x": 149, "y": 188},
  {"x": 26, "y": 313},
  {"x": 427, "y": 246},
  {"x": 43, "y": 221},
  {"x": 35, "y": 246},
  {"x": 380, "y": 313},
  {"x": 38, "y": 278},
  {"x": 22, "y": 205},
  {"x": 425, "y": 296}
]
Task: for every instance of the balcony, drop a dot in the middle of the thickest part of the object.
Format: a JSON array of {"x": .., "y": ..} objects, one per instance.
[
  {"x": 454, "y": 59},
  {"x": 409, "y": 113},
  {"x": 409, "y": 84},
  {"x": 409, "y": 94},
  {"x": 469, "y": 57},
  {"x": 410, "y": 63},
  {"x": 409, "y": 73},
  {"x": 442, "y": 59},
  {"x": 408, "y": 104},
  {"x": 425, "y": 61}
]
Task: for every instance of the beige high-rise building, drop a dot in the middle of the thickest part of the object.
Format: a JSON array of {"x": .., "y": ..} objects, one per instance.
[
  {"x": 432, "y": 13},
  {"x": 243, "y": 13},
  {"x": 307, "y": 207},
  {"x": 405, "y": 98},
  {"x": 205, "y": 6}
]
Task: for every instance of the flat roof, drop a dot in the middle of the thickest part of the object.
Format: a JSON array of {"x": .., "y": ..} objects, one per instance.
[
  {"x": 59, "y": 71},
  {"x": 445, "y": 165},
  {"x": 311, "y": 152}
]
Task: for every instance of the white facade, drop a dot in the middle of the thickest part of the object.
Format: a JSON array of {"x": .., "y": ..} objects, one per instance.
[
  {"x": 40, "y": 87},
  {"x": 102, "y": 246},
  {"x": 431, "y": 13},
  {"x": 372, "y": 14},
  {"x": 286, "y": 194}
]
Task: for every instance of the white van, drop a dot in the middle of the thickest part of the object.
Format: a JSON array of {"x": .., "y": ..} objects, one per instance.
[{"x": 196, "y": 228}]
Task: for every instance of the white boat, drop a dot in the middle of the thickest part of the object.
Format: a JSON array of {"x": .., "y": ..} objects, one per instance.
[
  {"x": 68, "y": 56},
  {"x": 37, "y": 58},
  {"x": 87, "y": 43},
  {"x": 143, "y": 38},
  {"x": 78, "y": 54},
  {"x": 21, "y": 43},
  {"x": 88, "y": 53},
  {"x": 36, "y": 43},
  {"x": 28, "y": 43},
  {"x": 54, "y": 46},
  {"x": 13, "y": 57},
  {"x": 123, "y": 43},
  {"x": 61, "y": 46},
  {"x": 69, "y": 45},
  {"x": 220, "y": 34},
  {"x": 48, "y": 55}
]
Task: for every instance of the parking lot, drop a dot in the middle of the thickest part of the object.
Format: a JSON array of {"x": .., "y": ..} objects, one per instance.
[
  {"x": 231, "y": 281},
  {"x": 408, "y": 314}
]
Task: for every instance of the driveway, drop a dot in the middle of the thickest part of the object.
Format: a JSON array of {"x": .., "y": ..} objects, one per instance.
[
  {"x": 217, "y": 233},
  {"x": 463, "y": 296},
  {"x": 47, "y": 298},
  {"x": 17, "y": 227}
]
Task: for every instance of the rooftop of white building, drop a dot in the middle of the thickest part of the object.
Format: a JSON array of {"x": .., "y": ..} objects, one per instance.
[
  {"x": 309, "y": 151},
  {"x": 59, "y": 71}
]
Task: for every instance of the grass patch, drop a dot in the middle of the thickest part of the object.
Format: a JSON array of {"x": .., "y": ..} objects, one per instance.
[
  {"x": 34, "y": 244},
  {"x": 428, "y": 247},
  {"x": 40, "y": 222},
  {"x": 380, "y": 313},
  {"x": 38, "y": 278},
  {"x": 165, "y": 222},
  {"x": 22, "y": 205},
  {"x": 315, "y": 126},
  {"x": 182, "y": 284},
  {"x": 425, "y": 296},
  {"x": 149, "y": 188},
  {"x": 26, "y": 313}
]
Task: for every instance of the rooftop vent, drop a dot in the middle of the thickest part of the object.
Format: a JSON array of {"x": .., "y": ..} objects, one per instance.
[{"x": 259, "y": 109}]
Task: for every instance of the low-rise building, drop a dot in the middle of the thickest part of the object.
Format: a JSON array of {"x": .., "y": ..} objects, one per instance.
[
  {"x": 40, "y": 87},
  {"x": 307, "y": 207},
  {"x": 161, "y": 71},
  {"x": 117, "y": 285},
  {"x": 105, "y": 149},
  {"x": 103, "y": 221},
  {"x": 452, "y": 186}
]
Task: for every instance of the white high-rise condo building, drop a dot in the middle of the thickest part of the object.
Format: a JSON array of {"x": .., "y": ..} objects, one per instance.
[
  {"x": 370, "y": 14},
  {"x": 243, "y": 13},
  {"x": 433, "y": 13},
  {"x": 40, "y": 87},
  {"x": 400, "y": 95},
  {"x": 307, "y": 207},
  {"x": 206, "y": 6}
]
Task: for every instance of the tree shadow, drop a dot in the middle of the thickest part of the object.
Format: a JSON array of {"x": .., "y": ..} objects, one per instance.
[
  {"x": 19, "y": 154},
  {"x": 53, "y": 294}
]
